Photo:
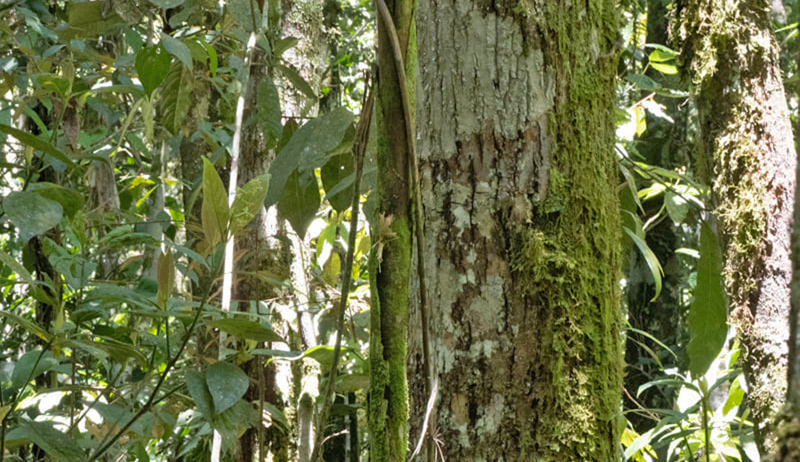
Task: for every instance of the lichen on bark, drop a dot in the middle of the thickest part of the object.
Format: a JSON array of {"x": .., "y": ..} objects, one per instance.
[
  {"x": 748, "y": 152},
  {"x": 522, "y": 228}
]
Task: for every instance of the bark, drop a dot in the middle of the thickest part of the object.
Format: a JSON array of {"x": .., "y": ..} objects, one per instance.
[
  {"x": 749, "y": 155},
  {"x": 522, "y": 227},
  {"x": 391, "y": 263}
]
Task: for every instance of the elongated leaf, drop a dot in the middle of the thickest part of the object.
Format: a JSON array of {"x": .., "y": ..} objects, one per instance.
[
  {"x": 650, "y": 258},
  {"x": 668, "y": 69},
  {"x": 166, "y": 278},
  {"x": 307, "y": 149},
  {"x": 152, "y": 64},
  {"x": 246, "y": 329},
  {"x": 708, "y": 314},
  {"x": 22, "y": 274},
  {"x": 36, "y": 143},
  {"x": 215, "y": 212},
  {"x": 177, "y": 49},
  {"x": 227, "y": 384},
  {"x": 59, "y": 446},
  {"x": 298, "y": 81},
  {"x": 176, "y": 97},
  {"x": 248, "y": 202},
  {"x": 269, "y": 109},
  {"x": 30, "y": 326},
  {"x": 32, "y": 213}
]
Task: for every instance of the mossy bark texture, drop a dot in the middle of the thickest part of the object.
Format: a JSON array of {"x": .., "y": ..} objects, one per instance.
[
  {"x": 749, "y": 156},
  {"x": 391, "y": 263},
  {"x": 516, "y": 143}
]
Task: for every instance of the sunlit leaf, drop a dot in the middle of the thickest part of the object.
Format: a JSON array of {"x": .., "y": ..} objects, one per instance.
[
  {"x": 248, "y": 202},
  {"x": 215, "y": 212}
]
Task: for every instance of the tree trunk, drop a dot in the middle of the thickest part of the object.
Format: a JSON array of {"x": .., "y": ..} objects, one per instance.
[
  {"x": 749, "y": 155},
  {"x": 391, "y": 263},
  {"x": 522, "y": 226}
]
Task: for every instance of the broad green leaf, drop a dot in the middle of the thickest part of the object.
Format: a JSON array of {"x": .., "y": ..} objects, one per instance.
[
  {"x": 36, "y": 143},
  {"x": 307, "y": 149},
  {"x": 30, "y": 365},
  {"x": 300, "y": 200},
  {"x": 664, "y": 68},
  {"x": 298, "y": 81},
  {"x": 650, "y": 258},
  {"x": 215, "y": 212},
  {"x": 708, "y": 315},
  {"x": 248, "y": 202},
  {"x": 246, "y": 329},
  {"x": 176, "y": 97},
  {"x": 677, "y": 207},
  {"x": 152, "y": 64},
  {"x": 177, "y": 49},
  {"x": 338, "y": 169},
  {"x": 90, "y": 19},
  {"x": 32, "y": 213},
  {"x": 227, "y": 384},
  {"x": 660, "y": 55},
  {"x": 269, "y": 109},
  {"x": 71, "y": 201},
  {"x": 56, "y": 444},
  {"x": 196, "y": 383},
  {"x": 643, "y": 82}
]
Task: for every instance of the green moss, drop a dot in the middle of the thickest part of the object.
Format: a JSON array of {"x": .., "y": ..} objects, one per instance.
[{"x": 567, "y": 261}]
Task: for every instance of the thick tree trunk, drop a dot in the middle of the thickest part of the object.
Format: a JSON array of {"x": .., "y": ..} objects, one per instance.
[
  {"x": 522, "y": 225},
  {"x": 748, "y": 151}
]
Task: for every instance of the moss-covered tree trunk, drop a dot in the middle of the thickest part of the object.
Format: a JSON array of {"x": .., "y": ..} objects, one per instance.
[
  {"x": 748, "y": 152},
  {"x": 516, "y": 138},
  {"x": 391, "y": 263}
]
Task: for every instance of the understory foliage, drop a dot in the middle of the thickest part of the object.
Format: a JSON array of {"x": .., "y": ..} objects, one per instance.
[{"x": 112, "y": 255}]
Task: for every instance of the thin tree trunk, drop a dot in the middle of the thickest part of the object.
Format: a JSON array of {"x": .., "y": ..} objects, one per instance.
[
  {"x": 391, "y": 262},
  {"x": 748, "y": 151},
  {"x": 522, "y": 226}
]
